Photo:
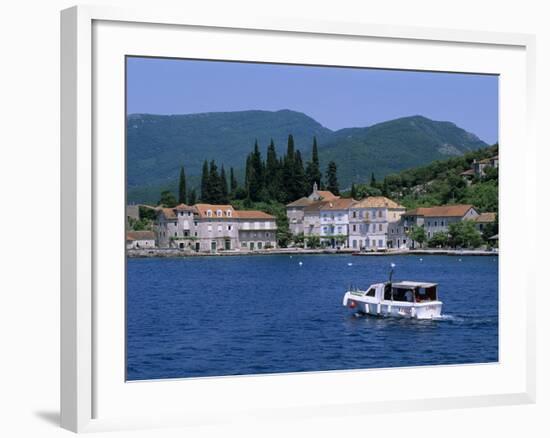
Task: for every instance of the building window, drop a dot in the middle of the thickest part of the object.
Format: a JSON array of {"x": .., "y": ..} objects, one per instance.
[
  {"x": 442, "y": 223},
  {"x": 229, "y": 227},
  {"x": 379, "y": 213},
  {"x": 209, "y": 213},
  {"x": 243, "y": 244},
  {"x": 379, "y": 227},
  {"x": 196, "y": 223},
  {"x": 354, "y": 215},
  {"x": 354, "y": 229},
  {"x": 267, "y": 235},
  {"x": 228, "y": 213},
  {"x": 219, "y": 228},
  {"x": 219, "y": 213},
  {"x": 210, "y": 228},
  {"x": 380, "y": 243}
]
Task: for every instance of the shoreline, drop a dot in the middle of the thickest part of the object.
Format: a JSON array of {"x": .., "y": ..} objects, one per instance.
[{"x": 178, "y": 253}]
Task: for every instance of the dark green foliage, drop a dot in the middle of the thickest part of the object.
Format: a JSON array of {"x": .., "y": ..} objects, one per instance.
[
  {"x": 215, "y": 185},
  {"x": 440, "y": 183},
  {"x": 167, "y": 199},
  {"x": 205, "y": 195},
  {"x": 313, "y": 241},
  {"x": 192, "y": 197},
  {"x": 182, "y": 188},
  {"x": 147, "y": 213},
  {"x": 353, "y": 192},
  {"x": 439, "y": 240},
  {"x": 332, "y": 178},
  {"x": 300, "y": 185},
  {"x": 418, "y": 234},
  {"x": 313, "y": 169},
  {"x": 225, "y": 188},
  {"x": 156, "y": 144},
  {"x": 233, "y": 184},
  {"x": 464, "y": 234}
]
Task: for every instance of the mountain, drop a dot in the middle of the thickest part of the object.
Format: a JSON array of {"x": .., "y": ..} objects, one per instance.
[
  {"x": 393, "y": 146},
  {"x": 157, "y": 145}
]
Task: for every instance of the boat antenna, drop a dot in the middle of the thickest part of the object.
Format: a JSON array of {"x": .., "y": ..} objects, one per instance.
[{"x": 391, "y": 270}]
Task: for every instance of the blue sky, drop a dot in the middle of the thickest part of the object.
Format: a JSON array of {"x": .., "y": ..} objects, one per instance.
[{"x": 336, "y": 97}]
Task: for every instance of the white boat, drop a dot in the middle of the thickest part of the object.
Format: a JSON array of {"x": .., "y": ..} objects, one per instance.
[{"x": 408, "y": 299}]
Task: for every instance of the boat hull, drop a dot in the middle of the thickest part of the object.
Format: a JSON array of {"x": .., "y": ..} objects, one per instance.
[{"x": 428, "y": 310}]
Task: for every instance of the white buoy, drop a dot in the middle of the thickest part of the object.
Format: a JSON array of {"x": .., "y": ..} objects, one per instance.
[
  {"x": 300, "y": 263},
  {"x": 459, "y": 260},
  {"x": 290, "y": 256},
  {"x": 393, "y": 265},
  {"x": 420, "y": 259},
  {"x": 350, "y": 264}
]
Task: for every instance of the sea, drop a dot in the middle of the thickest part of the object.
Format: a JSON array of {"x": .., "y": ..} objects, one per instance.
[{"x": 241, "y": 315}]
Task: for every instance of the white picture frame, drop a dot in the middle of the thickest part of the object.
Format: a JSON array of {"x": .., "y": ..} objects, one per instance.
[{"x": 93, "y": 397}]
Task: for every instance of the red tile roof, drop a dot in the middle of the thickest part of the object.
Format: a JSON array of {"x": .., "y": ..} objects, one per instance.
[
  {"x": 253, "y": 214},
  {"x": 486, "y": 218},
  {"x": 140, "y": 235},
  {"x": 377, "y": 202},
  {"x": 442, "y": 211},
  {"x": 202, "y": 210}
]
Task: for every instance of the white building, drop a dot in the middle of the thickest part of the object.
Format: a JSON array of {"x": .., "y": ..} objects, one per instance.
[
  {"x": 432, "y": 219},
  {"x": 370, "y": 220},
  {"x": 140, "y": 239}
]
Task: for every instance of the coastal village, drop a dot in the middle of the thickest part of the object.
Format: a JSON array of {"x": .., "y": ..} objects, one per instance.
[{"x": 320, "y": 221}]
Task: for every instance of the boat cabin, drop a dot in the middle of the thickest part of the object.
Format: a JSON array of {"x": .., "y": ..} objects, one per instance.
[{"x": 410, "y": 291}]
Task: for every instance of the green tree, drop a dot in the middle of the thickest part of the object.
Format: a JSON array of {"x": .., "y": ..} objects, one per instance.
[
  {"x": 313, "y": 241},
  {"x": 205, "y": 195},
  {"x": 225, "y": 188},
  {"x": 233, "y": 184},
  {"x": 418, "y": 234},
  {"x": 167, "y": 199},
  {"x": 192, "y": 197},
  {"x": 182, "y": 188},
  {"x": 372, "y": 180},
  {"x": 215, "y": 185},
  {"x": 439, "y": 239},
  {"x": 353, "y": 192},
  {"x": 464, "y": 234},
  {"x": 300, "y": 183},
  {"x": 332, "y": 178},
  {"x": 298, "y": 240},
  {"x": 313, "y": 169},
  {"x": 272, "y": 173},
  {"x": 288, "y": 171}
]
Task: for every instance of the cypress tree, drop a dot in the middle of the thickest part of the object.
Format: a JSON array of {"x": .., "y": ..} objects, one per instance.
[
  {"x": 205, "y": 195},
  {"x": 225, "y": 189},
  {"x": 372, "y": 180},
  {"x": 182, "y": 192},
  {"x": 353, "y": 191},
  {"x": 313, "y": 170},
  {"x": 300, "y": 182},
  {"x": 272, "y": 172},
  {"x": 232, "y": 182},
  {"x": 332, "y": 178},
  {"x": 192, "y": 196},
  {"x": 288, "y": 179},
  {"x": 215, "y": 189}
]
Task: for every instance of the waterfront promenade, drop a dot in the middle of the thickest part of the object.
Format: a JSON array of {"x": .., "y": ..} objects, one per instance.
[{"x": 174, "y": 252}]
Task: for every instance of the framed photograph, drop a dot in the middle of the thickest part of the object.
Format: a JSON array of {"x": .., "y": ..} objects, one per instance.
[{"x": 283, "y": 218}]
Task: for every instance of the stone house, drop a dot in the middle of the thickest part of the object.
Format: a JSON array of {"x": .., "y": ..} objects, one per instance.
[
  {"x": 212, "y": 228},
  {"x": 370, "y": 222},
  {"x": 485, "y": 219},
  {"x": 140, "y": 239},
  {"x": 256, "y": 229},
  {"x": 432, "y": 219},
  {"x": 334, "y": 221},
  {"x": 478, "y": 167},
  {"x": 296, "y": 211}
]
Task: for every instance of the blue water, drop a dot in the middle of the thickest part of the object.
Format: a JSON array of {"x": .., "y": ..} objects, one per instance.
[{"x": 214, "y": 316}]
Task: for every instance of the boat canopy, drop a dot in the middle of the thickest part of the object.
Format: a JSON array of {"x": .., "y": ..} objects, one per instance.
[{"x": 413, "y": 285}]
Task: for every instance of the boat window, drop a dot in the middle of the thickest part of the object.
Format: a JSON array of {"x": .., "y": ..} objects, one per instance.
[
  {"x": 427, "y": 294},
  {"x": 371, "y": 292},
  {"x": 387, "y": 292},
  {"x": 404, "y": 294}
]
